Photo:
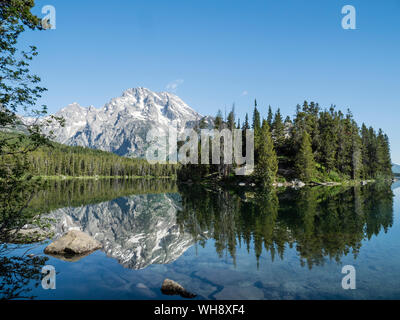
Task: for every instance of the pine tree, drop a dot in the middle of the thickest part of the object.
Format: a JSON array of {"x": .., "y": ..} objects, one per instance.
[
  {"x": 269, "y": 117},
  {"x": 267, "y": 164},
  {"x": 246, "y": 124},
  {"x": 203, "y": 123},
  {"x": 278, "y": 131},
  {"x": 356, "y": 152},
  {"x": 288, "y": 120},
  {"x": 256, "y": 119},
  {"x": 218, "y": 121},
  {"x": 231, "y": 118},
  {"x": 384, "y": 159},
  {"x": 305, "y": 164}
]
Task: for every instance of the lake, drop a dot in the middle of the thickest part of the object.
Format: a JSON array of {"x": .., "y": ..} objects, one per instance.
[{"x": 219, "y": 244}]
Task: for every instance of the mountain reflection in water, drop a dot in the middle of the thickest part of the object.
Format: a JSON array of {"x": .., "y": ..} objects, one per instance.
[
  {"x": 158, "y": 227},
  {"x": 220, "y": 244}
]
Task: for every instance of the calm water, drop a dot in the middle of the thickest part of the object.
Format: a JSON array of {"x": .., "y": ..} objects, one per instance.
[{"x": 217, "y": 244}]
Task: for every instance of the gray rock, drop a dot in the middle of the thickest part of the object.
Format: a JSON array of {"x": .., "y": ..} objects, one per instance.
[
  {"x": 172, "y": 288},
  {"x": 75, "y": 242},
  {"x": 30, "y": 235},
  {"x": 298, "y": 184}
]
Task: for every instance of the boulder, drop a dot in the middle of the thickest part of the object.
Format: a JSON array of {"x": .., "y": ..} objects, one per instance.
[
  {"x": 172, "y": 288},
  {"x": 75, "y": 242},
  {"x": 298, "y": 184}
]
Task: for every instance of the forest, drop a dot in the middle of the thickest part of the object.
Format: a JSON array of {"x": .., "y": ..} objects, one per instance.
[
  {"x": 319, "y": 222},
  {"x": 317, "y": 145},
  {"x": 55, "y": 159}
]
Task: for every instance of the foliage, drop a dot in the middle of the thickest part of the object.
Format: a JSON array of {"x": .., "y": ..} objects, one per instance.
[
  {"x": 305, "y": 164},
  {"x": 321, "y": 223},
  {"x": 267, "y": 164}
]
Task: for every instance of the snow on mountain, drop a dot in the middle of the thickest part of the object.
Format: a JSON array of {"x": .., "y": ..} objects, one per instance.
[
  {"x": 138, "y": 230},
  {"x": 122, "y": 124}
]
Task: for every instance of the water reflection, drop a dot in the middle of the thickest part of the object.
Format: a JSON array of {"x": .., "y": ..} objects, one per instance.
[
  {"x": 19, "y": 273},
  {"x": 157, "y": 224},
  {"x": 147, "y": 224},
  {"x": 321, "y": 223}
]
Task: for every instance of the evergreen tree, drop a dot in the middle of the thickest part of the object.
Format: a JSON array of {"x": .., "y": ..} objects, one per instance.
[
  {"x": 218, "y": 121},
  {"x": 231, "y": 118},
  {"x": 203, "y": 123},
  {"x": 269, "y": 117},
  {"x": 384, "y": 158},
  {"x": 278, "y": 131},
  {"x": 256, "y": 119},
  {"x": 267, "y": 164},
  {"x": 356, "y": 153},
  {"x": 246, "y": 124},
  {"x": 305, "y": 164}
]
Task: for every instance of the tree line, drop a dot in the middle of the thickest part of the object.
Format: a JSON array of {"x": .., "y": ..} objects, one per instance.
[
  {"x": 318, "y": 222},
  {"x": 317, "y": 145},
  {"x": 57, "y": 159}
]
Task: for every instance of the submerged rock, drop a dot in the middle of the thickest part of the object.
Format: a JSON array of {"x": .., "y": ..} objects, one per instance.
[
  {"x": 172, "y": 288},
  {"x": 75, "y": 242}
]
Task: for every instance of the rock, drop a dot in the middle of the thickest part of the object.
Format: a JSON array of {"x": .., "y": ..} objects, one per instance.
[
  {"x": 75, "y": 242},
  {"x": 172, "y": 288},
  {"x": 29, "y": 235},
  {"x": 298, "y": 184}
]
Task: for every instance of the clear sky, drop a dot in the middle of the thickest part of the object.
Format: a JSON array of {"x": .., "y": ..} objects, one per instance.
[{"x": 213, "y": 53}]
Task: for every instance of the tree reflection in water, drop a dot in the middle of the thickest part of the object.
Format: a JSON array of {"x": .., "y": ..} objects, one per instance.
[
  {"x": 320, "y": 222},
  {"x": 19, "y": 273}
]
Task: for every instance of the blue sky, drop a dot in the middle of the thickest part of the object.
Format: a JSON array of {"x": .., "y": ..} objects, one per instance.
[{"x": 220, "y": 52}]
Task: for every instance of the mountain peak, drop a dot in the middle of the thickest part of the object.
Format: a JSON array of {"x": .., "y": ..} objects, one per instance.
[
  {"x": 121, "y": 126},
  {"x": 139, "y": 91},
  {"x": 74, "y": 107}
]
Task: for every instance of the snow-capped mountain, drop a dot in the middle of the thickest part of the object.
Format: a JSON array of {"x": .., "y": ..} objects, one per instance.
[
  {"x": 122, "y": 125},
  {"x": 138, "y": 230}
]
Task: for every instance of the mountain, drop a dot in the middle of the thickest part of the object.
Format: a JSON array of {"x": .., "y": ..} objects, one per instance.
[
  {"x": 395, "y": 168},
  {"x": 137, "y": 231},
  {"x": 122, "y": 124}
]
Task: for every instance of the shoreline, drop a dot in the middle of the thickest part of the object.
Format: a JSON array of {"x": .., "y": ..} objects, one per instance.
[{"x": 102, "y": 177}]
